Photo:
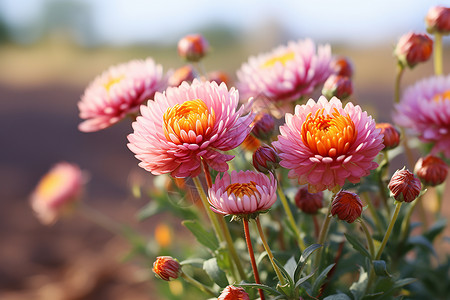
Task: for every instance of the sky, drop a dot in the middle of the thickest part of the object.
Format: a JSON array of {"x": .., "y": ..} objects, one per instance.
[{"x": 347, "y": 21}]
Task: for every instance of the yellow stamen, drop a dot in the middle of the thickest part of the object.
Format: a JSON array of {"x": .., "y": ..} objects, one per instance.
[
  {"x": 193, "y": 116},
  {"x": 283, "y": 59},
  {"x": 242, "y": 189},
  {"x": 112, "y": 81},
  {"x": 328, "y": 135},
  {"x": 444, "y": 96},
  {"x": 49, "y": 183}
]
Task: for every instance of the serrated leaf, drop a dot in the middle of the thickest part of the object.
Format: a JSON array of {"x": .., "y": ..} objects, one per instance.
[
  {"x": 357, "y": 245},
  {"x": 206, "y": 238},
  {"x": 358, "y": 289},
  {"x": 321, "y": 278},
  {"x": 337, "y": 297},
  {"x": 302, "y": 262},
  {"x": 217, "y": 275},
  {"x": 260, "y": 286},
  {"x": 379, "y": 266}
]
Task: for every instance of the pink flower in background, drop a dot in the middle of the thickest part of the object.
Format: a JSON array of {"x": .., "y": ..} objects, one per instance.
[
  {"x": 187, "y": 123},
  {"x": 323, "y": 144},
  {"x": 242, "y": 193},
  {"x": 424, "y": 109},
  {"x": 287, "y": 72},
  {"x": 119, "y": 91},
  {"x": 56, "y": 192}
]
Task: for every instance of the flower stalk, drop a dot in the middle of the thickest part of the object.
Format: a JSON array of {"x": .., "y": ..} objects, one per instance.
[
  {"x": 438, "y": 62},
  {"x": 369, "y": 239},
  {"x": 198, "y": 285},
  {"x": 252, "y": 256},
  {"x": 398, "y": 205}
]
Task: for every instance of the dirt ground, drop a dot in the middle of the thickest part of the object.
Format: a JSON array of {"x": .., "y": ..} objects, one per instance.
[{"x": 75, "y": 259}]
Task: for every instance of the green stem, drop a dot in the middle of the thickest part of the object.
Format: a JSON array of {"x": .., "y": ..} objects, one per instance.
[
  {"x": 373, "y": 212},
  {"x": 252, "y": 256},
  {"x": 199, "y": 285},
  {"x": 269, "y": 252},
  {"x": 438, "y": 62},
  {"x": 291, "y": 219},
  {"x": 398, "y": 79},
  {"x": 100, "y": 219},
  {"x": 381, "y": 185},
  {"x": 368, "y": 237},
  {"x": 398, "y": 205},
  {"x": 322, "y": 235},
  {"x": 212, "y": 216},
  {"x": 407, "y": 220}
]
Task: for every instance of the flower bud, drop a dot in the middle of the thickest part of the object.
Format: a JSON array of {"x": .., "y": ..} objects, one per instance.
[
  {"x": 337, "y": 86},
  {"x": 167, "y": 268},
  {"x": 404, "y": 186},
  {"x": 307, "y": 202},
  {"x": 391, "y": 135},
  {"x": 342, "y": 66},
  {"x": 438, "y": 20},
  {"x": 185, "y": 73},
  {"x": 347, "y": 206},
  {"x": 219, "y": 77},
  {"x": 263, "y": 126},
  {"x": 431, "y": 170},
  {"x": 233, "y": 293},
  {"x": 193, "y": 47},
  {"x": 413, "y": 48},
  {"x": 266, "y": 159}
]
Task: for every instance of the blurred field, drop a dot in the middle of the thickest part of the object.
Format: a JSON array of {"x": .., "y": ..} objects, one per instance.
[{"x": 39, "y": 89}]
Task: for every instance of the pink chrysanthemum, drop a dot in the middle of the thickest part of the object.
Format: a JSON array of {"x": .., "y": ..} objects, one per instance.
[
  {"x": 323, "y": 144},
  {"x": 242, "y": 193},
  {"x": 119, "y": 91},
  {"x": 425, "y": 109},
  {"x": 56, "y": 192},
  {"x": 187, "y": 123},
  {"x": 287, "y": 72}
]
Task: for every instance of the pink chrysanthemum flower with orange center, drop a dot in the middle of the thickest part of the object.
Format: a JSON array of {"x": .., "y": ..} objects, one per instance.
[
  {"x": 287, "y": 72},
  {"x": 56, "y": 192},
  {"x": 186, "y": 124},
  {"x": 242, "y": 193},
  {"x": 119, "y": 91},
  {"x": 323, "y": 144},
  {"x": 424, "y": 109}
]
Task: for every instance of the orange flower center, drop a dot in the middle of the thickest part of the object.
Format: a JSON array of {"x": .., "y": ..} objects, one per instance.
[
  {"x": 49, "y": 184},
  {"x": 184, "y": 122},
  {"x": 283, "y": 59},
  {"x": 242, "y": 189},
  {"x": 444, "y": 96},
  {"x": 328, "y": 135},
  {"x": 112, "y": 81}
]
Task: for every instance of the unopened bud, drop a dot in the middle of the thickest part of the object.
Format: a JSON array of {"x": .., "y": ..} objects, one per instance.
[
  {"x": 233, "y": 293},
  {"x": 337, "y": 86},
  {"x": 431, "y": 170},
  {"x": 391, "y": 135},
  {"x": 342, "y": 66},
  {"x": 219, "y": 77},
  {"x": 347, "y": 206},
  {"x": 413, "y": 48},
  {"x": 266, "y": 159},
  {"x": 185, "y": 73},
  {"x": 307, "y": 202},
  {"x": 437, "y": 20},
  {"x": 264, "y": 125},
  {"x": 167, "y": 268},
  {"x": 193, "y": 47},
  {"x": 404, "y": 186}
]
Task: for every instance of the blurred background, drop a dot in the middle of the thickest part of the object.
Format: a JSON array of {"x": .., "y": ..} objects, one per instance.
[{"x": 51, "y": 49}]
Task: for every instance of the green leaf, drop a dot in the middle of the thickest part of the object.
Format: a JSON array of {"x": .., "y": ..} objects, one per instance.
[
  {"x": 266, "y": 288},
  {"x": 435, "y": 230},
  {"x": 303, "y": 279},
  {"x": 284, "y": 272},
  {"x": 357, "y": 245},
  {"x": 420, "y": 240},
  {"x": 206, "y": 238},
  {"x": 195, "y": 262},
  {"x": 151, "y": 209},
  {"x": 379, "y": 266},
  {"x": 358, "y": 289},
  {"x": 321, "y": 278},
  {"x": 402, "y": 282},
  {"x": 337, "y": 297},
  {"x": 290, "y": 266},
  {"x": 302, "y": 262},
  {"x": 212, "y": 269}
]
